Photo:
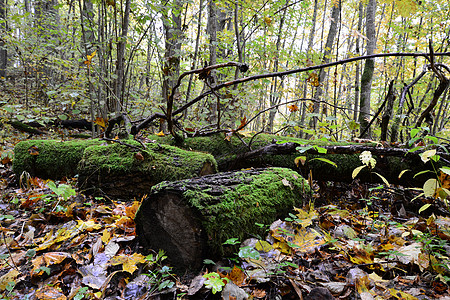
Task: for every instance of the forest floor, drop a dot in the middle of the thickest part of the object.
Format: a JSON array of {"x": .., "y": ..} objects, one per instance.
[{"x": 351, "y": 241}]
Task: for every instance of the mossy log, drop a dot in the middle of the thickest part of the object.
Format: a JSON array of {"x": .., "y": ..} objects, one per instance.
[
  {"x": 129, "y": 170},
  {"x": 191, "y": 219},
  {"x": 50, "y": 159},
  {"x": 265, "y": 150}
]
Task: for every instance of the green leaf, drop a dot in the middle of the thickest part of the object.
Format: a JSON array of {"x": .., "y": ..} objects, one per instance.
[
  {"x": 422, "y": 172},
  {"x": 232, "y": 241},
  {"x": 357, "y": 170},
  {"x": 414, "y": 132},
  {"x": 208, "y": 262},
  {"x": 321, "y": 150},
  {"x": 215, "y": 282},
  {"x": 248, "y": 252},
  {"x": 424, "y": 207},
  {"x": 327, "y": 161},
  {"x": 303, "y": 149}
]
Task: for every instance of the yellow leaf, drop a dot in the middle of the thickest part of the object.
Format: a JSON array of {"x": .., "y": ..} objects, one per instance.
[
  {"x": 89, "y": 225},
  {"x": 7, "y": 278},
  {"x": 160, "y": 134},
  {"x": 100, "y": 122},
  {"x": 128, "y": 262},
  {"x": 401, "y": 295},
  {"x": 268, "y": 21},
  {"x": 106, "y": 236},
  {"x": 263, "y": 246}
]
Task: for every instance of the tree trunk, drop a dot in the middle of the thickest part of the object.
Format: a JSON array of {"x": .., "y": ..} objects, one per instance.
[
  {"x": 120, "y": 65},
  {"x": 369, "y": 66},
  {"x": 171, "y": 66},
  {"x": 326, "y": 57},
  {"x": 3, "y": 53},
  {"x": 191, "y": 219}
]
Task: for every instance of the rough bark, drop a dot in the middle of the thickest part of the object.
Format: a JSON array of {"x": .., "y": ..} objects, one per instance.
[{"x": 191, "y": 219}]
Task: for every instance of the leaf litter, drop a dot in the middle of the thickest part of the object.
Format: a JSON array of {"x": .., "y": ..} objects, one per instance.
[{"x": 338, "y": 247}]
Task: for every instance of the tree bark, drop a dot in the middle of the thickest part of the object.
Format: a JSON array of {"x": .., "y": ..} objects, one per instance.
[{"x": 369, "y": 66}]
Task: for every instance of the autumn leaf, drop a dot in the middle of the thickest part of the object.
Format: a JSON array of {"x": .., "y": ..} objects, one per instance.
[
  {"x": 313, "y": 79},
  {"x": 131, "y": 210},
  {"x": 139, "y": 156},
  {"x": 160, "y": 134},
  {"x": 33, "y": 150},
  {"x": 406, "y": 8},
  {"x": 292, "y": 108},
  {"x": 268, "y": 21},
  {"x": 88, "y": 61},
  {"x": 101, "y": 122},
  {"x": 243, "y": 122},
  {"x": 128, "y": 262},
  {"x": 237, "y": 276}
]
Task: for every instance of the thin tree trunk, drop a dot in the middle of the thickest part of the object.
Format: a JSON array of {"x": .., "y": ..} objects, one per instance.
[
  {"x": 369, "y": 66},
  {"x": 3, "y": 53},
  {"x": 335, "y": 12},
  {"x": 357, "y": 66}
]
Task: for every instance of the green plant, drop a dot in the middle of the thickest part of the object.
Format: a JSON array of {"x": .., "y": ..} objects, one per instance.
[
  {"x": 62, "y": 191},
  {"x": 160, "y": 277},
  {"x": 215, "y": 282},
  {"x": 434, "y": 187},
  {"x": 368, "y": 162}
]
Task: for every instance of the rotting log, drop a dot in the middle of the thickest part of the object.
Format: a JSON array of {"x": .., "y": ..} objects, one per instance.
[
  {"x": 129, "y": 170},
  {"x": 191, "y": 219},
  {"x": 50, "y": 159}
]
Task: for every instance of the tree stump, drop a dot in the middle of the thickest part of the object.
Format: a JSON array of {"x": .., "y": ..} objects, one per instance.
[{"x": 191, "y": 219}]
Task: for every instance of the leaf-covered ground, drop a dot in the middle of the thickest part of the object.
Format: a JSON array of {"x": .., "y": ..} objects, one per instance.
[{"x": 350, "y": 242}]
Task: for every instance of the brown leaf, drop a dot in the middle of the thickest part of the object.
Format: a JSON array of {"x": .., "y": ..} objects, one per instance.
[
  {"x": 33, "y": 150},
  {"x": 292, "y": 108},
  {"x": 139, "y": 156}
]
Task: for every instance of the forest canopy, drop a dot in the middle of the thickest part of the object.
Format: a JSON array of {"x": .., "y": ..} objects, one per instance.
[{"x": 305, "y": 68}]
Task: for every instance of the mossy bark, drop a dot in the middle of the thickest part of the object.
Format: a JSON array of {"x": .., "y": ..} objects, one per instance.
[
  {"x": 191, "y": 219},
  {"x": 125, "y": 172},
  {"x": 50, "y": 159}
]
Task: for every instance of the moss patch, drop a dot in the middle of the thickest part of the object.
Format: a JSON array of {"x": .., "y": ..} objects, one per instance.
[{"x": 52, "y": 159}]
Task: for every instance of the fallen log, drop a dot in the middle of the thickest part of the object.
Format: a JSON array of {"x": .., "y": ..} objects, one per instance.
[
  {"x": 270, "y": 150},
  {"x": 50, "y": 159},
  {"x": 191, "y": 219},
  {"x": 128, "y": 169}
]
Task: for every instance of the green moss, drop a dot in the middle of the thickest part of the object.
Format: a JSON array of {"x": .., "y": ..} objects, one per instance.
[
  {"x": 53, "y": 159},
  {"x": 263, "y": 198},
  {"x": 159, "y": 162}
]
